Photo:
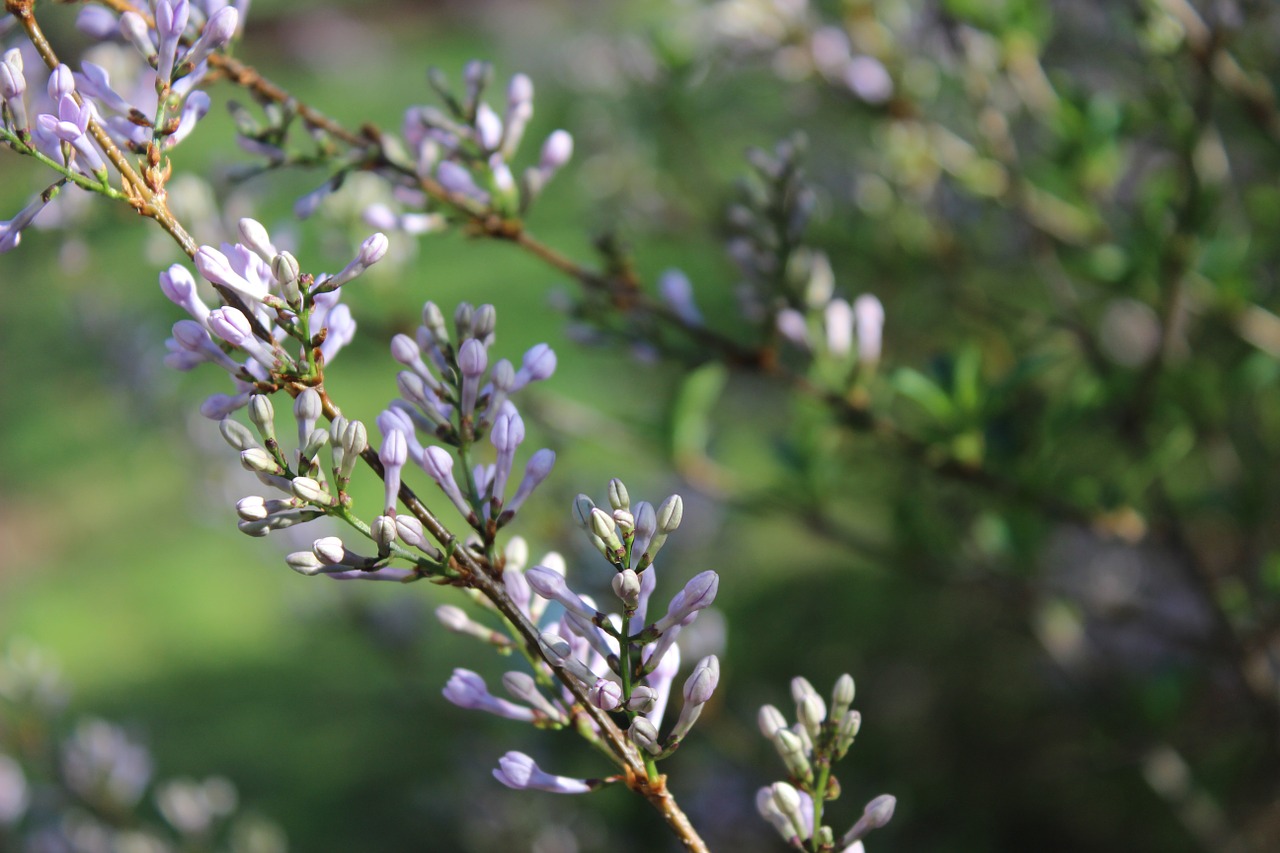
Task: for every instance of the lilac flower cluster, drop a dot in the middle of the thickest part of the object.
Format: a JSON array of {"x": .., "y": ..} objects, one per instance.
[
  {"x": 625, "y": 663},
  {"x": 152, "y": 113},
  {"x": 468, "y": 147},
  {"x": 269, "y": 303},
  {"x": 452, "y": 393},
  {"x": 818, "y": 739}
]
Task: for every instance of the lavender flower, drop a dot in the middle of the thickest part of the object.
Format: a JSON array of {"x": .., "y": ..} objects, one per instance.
[{"x": 519, "y": 771}]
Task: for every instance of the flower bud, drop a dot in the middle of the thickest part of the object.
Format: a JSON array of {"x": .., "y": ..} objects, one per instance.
[
  {"x": 770, "y": 720},
  {"x": 626, "y": 585},
  {"x": 842, "y": 696},
  {"x": 618, "y": 496},
  {"x": 304, "y": 562},
  {"x": 258, "y": 459},
  {"x": 644, "y": 735},
  {"x": 605, "y": 694},
  {"x": 670, "y": 513},
  {"x": 254, "y": 236},
  {"x": 812, "y": 712},
  {"x": 330, "y": 550},
  {"x": 252, "y": 508},
  {"x": 312, "y": 491},
  {"x": 236, "y": 434},
  {"x": 643, "y": 699},
  {"x": 262, "y": 415},
  {"x": 383, "y": 531}
]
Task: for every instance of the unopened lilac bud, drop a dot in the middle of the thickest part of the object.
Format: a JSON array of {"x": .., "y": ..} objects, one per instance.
[
  {"x": 550, "y": 585},
  {"x": 812, "y": 712},
  {"x": 405, "y": 350},
  {"x": 410, "y": 531},
  {"x": 315, "y": 442},
  {"x": 770, "y": 812},
  {"x": 556, "y": 152},
  {"x": 304, "y": 562},
  {"x": 677, "y": 292},
  {"x": 136, "y": 32},
  {"x": 791, "y": 749},
  {"x": 837, "y": 318},
  {"x": 517, "y": 770},
  {"x": 312, "y": 491},
  {"x": 484, "y": 322},
  {"x": 354, "y": 441},
  {"x": 702, "y": 682},
  {"x": 538, "y": 364},
  {"x": 644, "y": 735},
  {"x": 453, "y": 618},
  {"x": 646, "y": 525},
  {"x": 373, "y": 249},
  {"x": 462, "y": 316},
  {"x": 61, "y": 83},
  {"x": 262, "y": 415},
  {"x": 307, "y": 409},
  {"x": 236, "y": 434},
  {"x": 472, "y": 360},
  {"x": 383, "y": 532},
  {"x": 252, "y": 508},
  {"x": 800, "y": 688},
  {"x": 582, "y": 507},
  {"x": 643, "y": 699},
  {"x": 455, "y": 178},
  {"x": 285, "y": 268},
  {"x": 259, "y": 460},
  {"x": 330, "y": 550},
  {"x": 770, "y": 720},
  {"x": 214, "y": 266},
  {"x": 792, "y": 326},
  {"x": 433, "y": 320},
  {"x": 869, "y": 323},
  {"x": 626, "y": 585},
  {"x": 850, "y": 723},
  {"x": 787, "y": 800},
  {"x": 697, "y": 594},
  {"x": 618, "y": 496},
  {"x": 217, "y": 32},
  {"x": 603, "y": 526},
  {"x": 875, "y": 814},
  {"x": 488, "y": 128},
  {"x": 254, "y": 236},
  {"x": 605, "y": 694},
  {"x": 670, "y": 513},
  {"x": 842, "y": 696},
  {"x": 536, "y": 470}
]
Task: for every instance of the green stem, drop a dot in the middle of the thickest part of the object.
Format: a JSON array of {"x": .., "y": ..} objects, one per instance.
[{"x": 819, "y": 798}]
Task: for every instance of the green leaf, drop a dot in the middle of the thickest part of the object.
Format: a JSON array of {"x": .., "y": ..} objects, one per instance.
[
  {"x": 926, "y": 393},
  {"x": 695, "y": 400}
]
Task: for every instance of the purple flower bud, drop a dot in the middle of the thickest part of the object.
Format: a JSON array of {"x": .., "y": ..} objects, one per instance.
[
  {"x": 517, "y": 770},
  {"x": 791, "y": 325},
  {"x": 556, "y": 151},
  {"x": 214, "y": 265},
  {"x": 171, "y": 21},
  {"x": 410, "y": 531},
  {"x": 838, "y": 319},
  {"x": 488, "y": 128},
  {"x": 466, "y": 689},
  {"x": 330, "y": 550},
  {"x": 439, "y": 464},
  {"x": 677, "y": 292},
  {"x": 394, "y": 454},
  {"x": 136, "y": 32},
  {"x": 550, "y": 585},
  {"x": 61, "y": 83},
  {"x": 605, "y": 694},
  {"x": 217, "y": 32},
  {"x": 868, "y": 316},
  {"x": 536, "y": 470},
  {"x": 644, "y": 734},
  {"x": 13, "y": 83},
  {"x": 456, "y": 179},
  {"x": 697, "y": 594},
  {"x": 373, "y": 249},
  {"x": 230, "y": 325},
  {"x": 539, "y": 363},
  {"x": 254, "y": 236},
  {"x": 702, "y": 682}
]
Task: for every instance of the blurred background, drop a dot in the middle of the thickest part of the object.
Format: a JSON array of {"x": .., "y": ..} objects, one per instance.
[{"x": 1059, "y": 600}]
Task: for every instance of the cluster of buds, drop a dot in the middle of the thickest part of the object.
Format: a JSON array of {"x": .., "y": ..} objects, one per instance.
[
  {"x": 809, "y": 748},
  {"x": 468, "y": 146},
  {"x": 791, "y": 286},
  {"x": 623, "y": 662},
  {"x": 452, "y": 393},
  {"x": 268, "y": 302},
  {"x": 313, "y": 490}
]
